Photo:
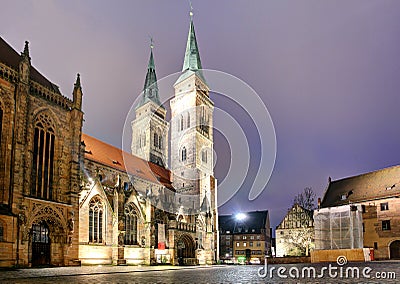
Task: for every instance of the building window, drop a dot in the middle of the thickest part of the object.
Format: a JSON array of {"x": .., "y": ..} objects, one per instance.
[
  {"x": 155, "y": 142},
  {"x": 375, "y": 245},
  {"x": 182, "y": 123},
  {"x": 188, "y": 120},
  {"x": 1, "y": 233},
  {"x": 95, "y": 221},
  {"x": 258, "y": 244},
  {"x": 204, "y": 156},
  {"x": 126, "y": 186},
  {"x": 384, "y": 206},
  {"x": 237, "y": 244},
  {"x": 258, "y": 237},
  {"x": 385, "y": 225},
  {"x": 363, "y": 208},
  {"x": 204, "y": 121},
  {"x": 183, "y": 154},
  {"x": 228, "y": 237},
  {"x": 251, "y": 244},
  {"x": 228, "y": 243},
  {"x": 131, "y": 221},
  {"x": 244, "y": 244},
  {"x": 251, "y": 237},
  {"x": 244, "y": 237},
  {"x": 43, "y": 159}
]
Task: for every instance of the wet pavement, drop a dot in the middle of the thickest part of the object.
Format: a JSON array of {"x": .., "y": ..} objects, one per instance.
[{"x": 371, "y": 272}]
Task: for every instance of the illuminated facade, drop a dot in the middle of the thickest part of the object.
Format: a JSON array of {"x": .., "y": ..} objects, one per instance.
[
  {"x": 40, "y": 134},
  {"x": 132, "y": 208}
]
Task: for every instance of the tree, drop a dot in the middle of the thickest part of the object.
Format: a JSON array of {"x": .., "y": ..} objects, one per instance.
[{"x": 306, "y": 199}]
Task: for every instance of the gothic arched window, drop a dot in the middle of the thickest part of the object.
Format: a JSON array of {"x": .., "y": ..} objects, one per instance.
[
  {"x": 95, "y": 220},
  {"x": 183, "y": 154},
  {"x": 155, "y": 142},
  {"x": 188, "y": 120},
  {"x": 43, "y": 158},
  {"x": 182, "y": 122},
  {"x": 131, "y": 225},
  {"x": 204, "y": 156},
  {"x": 160, "y": 141}
]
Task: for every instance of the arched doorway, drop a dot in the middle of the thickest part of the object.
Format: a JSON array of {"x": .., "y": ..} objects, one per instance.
[
  {"x": 40, "y": 244},
  {"x": 395, "y": 250},
  {"x": 186, "y": 250}
]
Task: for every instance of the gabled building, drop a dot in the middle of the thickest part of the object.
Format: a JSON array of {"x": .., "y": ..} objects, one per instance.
[
  {"x": 295, "y": 234},
  {"x": 377, "y": 194},
  {"x": 245, "y": 237}
]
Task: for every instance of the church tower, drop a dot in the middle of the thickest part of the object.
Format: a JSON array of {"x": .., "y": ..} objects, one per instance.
[
  {"x": 150, "y": 129},
  {"x": 192, "y": 130}
]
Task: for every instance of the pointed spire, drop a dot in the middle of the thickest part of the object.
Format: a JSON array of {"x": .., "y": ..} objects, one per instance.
[
  {"x": 150, "y": 89},
  {"x": 77, "y": 92},
  {"x": 192, "y": 56},
  {"x": 78, "y": 81},
  {"x": 192, "y": 62},
  {"x": 26, "y": 49}
]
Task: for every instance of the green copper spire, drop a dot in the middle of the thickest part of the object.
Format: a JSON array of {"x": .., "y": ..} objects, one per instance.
[
  {"x": 192, "y": 62},
  {"x": 192, "y": 56},
  {"x": 150, "y": 89}
]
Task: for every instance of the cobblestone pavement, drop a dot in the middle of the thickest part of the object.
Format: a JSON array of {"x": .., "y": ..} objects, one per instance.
[{"x": 211, "y": 274}]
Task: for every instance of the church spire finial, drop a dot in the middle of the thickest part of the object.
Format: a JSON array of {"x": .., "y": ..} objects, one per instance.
[
  {"x": 151, "y": 64},
  {"x": 25, "y": 53},
  {"x": 78, "y": 80},
  {"x": 191, "y": 10}
]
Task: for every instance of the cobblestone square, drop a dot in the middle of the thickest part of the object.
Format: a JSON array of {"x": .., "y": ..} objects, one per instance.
[{"x": 202, "y": 274}]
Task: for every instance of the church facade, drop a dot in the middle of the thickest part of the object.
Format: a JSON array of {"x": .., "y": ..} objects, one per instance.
[
  {"x": 132, "y": 208},
  {"x": 67, "y": 198},
  {"x": 40, "y": 134}
]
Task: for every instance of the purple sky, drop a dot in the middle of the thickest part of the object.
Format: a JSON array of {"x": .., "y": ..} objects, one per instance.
[{"x": 328, "y": 71}]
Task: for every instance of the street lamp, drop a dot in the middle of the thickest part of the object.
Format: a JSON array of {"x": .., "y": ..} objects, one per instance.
[{"x": 240, "y": 216}]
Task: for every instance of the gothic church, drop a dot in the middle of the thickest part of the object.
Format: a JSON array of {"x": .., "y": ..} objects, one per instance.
[{"x": 68, "y": 198}]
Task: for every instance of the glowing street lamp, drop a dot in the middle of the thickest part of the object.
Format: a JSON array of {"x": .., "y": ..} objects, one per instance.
[{"x": 240, "y": 216}]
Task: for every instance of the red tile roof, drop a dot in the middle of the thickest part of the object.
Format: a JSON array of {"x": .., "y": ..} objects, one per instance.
[
  {"x": 378, "y": 184},
  {"x": 108, "y": 155}
]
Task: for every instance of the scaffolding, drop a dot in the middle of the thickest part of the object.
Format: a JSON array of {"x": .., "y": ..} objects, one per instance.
[{"x": 338, "y": 227}]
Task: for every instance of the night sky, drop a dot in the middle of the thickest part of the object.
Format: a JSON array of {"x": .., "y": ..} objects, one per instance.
[{"x": 328, "y": 72}]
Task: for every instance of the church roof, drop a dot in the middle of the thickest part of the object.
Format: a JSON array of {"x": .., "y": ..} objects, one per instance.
[
  {"x": 108, "y": 155},
  {"x": 150, "y": 89},
  {"x": 192, "y": 62},
  {"x": 255, "y": 220},
  {"x": 374, "y": 185},
  {"x": 11, "y": 58}
]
